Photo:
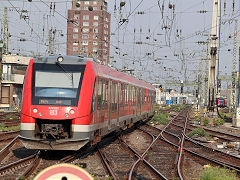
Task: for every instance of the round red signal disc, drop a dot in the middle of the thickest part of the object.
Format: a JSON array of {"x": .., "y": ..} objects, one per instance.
[{"x": 63, "y": 172}]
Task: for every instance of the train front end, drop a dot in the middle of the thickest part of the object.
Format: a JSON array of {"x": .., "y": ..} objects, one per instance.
[{"x": 50, "y": 110}]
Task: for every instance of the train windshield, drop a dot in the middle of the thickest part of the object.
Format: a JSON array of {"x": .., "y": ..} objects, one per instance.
[{"x": 57, "y": 85}]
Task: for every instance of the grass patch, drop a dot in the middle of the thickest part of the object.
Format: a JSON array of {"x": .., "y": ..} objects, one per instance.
[
  {"x": 206, "y": 122},
  {"x": 177, "y": 108},
  {"x": 198, "y": 118},
  {"x": 217, "y": 173},
  {"x": 10, "y": 128},
  {"x": 218, "y": 122},
  {"x": 7, "y": 117},
  {"x": 198, "y": 132},
  {"x": 161, "y": 118}
]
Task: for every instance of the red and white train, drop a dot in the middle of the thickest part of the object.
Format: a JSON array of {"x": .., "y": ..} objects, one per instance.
[{"x": 71, "y": 101}]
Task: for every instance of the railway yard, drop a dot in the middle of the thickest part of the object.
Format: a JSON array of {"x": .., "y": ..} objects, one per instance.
[{"x": 145, "y": 151}]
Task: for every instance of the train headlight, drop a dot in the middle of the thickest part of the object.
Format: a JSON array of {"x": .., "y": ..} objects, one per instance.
[
  {"x": 60, "y": 59},
  {"x": 40, "y": 114},
  {"x": 66, "y": 115},
  {"x": 35, "y": 110},
  {"x": 71, "y": 111}
]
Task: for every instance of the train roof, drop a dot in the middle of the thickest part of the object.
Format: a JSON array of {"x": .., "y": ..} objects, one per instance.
[{"x": 66, "y": 60}]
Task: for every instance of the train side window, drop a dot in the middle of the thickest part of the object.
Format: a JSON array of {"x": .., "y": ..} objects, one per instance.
[
  {"x": 104, "y": 94},
  {"x": 107, "y": 98},
  {"x": 114, "y": 97},
  {"x": 126, "y": 94},
  {"x": 99, "y": 98},
  {"x": 93, "y": 98}
]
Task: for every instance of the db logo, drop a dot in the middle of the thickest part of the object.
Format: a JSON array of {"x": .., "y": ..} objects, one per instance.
[{"x": 53, "y": 112}]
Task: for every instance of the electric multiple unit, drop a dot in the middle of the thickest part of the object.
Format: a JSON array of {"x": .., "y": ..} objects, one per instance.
[{"x": 71, "y": 101}]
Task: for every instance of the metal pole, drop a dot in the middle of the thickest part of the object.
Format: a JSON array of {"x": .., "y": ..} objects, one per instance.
[{"x": 213, "y": 53}]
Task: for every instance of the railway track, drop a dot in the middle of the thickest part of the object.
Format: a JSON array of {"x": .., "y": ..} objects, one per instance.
[
  {"x": 224, "y": 137},
  {"x": 6, "y": 136}
]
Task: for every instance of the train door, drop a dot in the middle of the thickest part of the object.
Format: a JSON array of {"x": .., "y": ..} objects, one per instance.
[{"x": 109, "y": 103}]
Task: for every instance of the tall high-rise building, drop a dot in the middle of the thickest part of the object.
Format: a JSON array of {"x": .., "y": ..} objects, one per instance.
[{"x": 89, "y": 29}]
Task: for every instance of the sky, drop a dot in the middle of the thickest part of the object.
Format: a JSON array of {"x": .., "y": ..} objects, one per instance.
[{"x": 161, "y": 41}]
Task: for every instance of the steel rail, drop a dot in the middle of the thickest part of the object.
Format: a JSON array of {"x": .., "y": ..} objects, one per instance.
[
  {"x": 6, "y": 150},
  {"x": 150, "y": 146},
  {"x": 33, "y": 166},
  {"x": 17, "y": 163},
  {"x": 109, "y": 169},
  {"x": 223, "y": 164}
]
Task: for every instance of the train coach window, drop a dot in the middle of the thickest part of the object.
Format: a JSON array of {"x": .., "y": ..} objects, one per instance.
[
  {"x": 126, "y": 94},
  {"x": 105, "y": 95},
  {"x": 93, "y": 98},
  {"x": 114, "y": 97},
  {"x": 99, "y": 98}
]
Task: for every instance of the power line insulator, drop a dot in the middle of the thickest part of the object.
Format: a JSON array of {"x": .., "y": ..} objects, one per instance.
[
  {"x": 122, "y": 4},
  {"x": 77, "y": 4},
  {"x": 90, "y": 8}
]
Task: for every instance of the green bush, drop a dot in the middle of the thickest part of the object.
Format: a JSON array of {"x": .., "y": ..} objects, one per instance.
[
  {"x": 218, "y": 122},
  {"x": 10, "y": 128},
  {"x": 216, "y": 173},
  {"x": 11, "y": 117},
  {"x": 206, "y": 122},
  {"x": 198, "y": 132},
  {"x": 198, "y": 118},
  {"x": 161, "y": 118}
]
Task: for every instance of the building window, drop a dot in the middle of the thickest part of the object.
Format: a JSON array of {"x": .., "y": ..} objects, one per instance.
[
  {"x": 85, "y": 23},
  {"x": 75, "y": 43},
  {"x": 105, "y": 44},
  {"x": 85, "y": 43},
  {"x": 95, "y": 43},
  {"x": 75, "y": 30},
  {"x": 84, "y": 49},
  {"x": 75, "y": 49},
  {"x": 85, "y": 8},
  {"x": 95, "y": 23},
  {"x": 95, "y": 50},
  {"x": 95, "y": 30},
  {"x": 94, "y": 2},
  {"x": 85, "y": 17},
  {"x": 76, "y": 17},
  {"x": 95, "y": 37},
  {"x": 75, "y": 36},
  {"x": 85, "y": 36},
  {"x": 86, "y": 2},
  {"x": 95, "y": 17},
  {"x": 85, "y": 30},
  {"x": 5, "y": 94},
  {"x": 94, "y": 8},
  {"x": 105, "y": 38},
  {"x": 106, "y": 19}
]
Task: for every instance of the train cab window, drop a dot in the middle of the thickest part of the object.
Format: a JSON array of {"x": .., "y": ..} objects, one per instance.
[
  {"x": 62, "y": 88},
  {"x": 99, "y": 96}
]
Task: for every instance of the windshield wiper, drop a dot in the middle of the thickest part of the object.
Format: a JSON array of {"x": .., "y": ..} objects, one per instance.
[{"x": 70, "y": 75}]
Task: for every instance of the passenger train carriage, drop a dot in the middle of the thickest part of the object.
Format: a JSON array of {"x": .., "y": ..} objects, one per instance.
[{"x": 71, "y": 101}]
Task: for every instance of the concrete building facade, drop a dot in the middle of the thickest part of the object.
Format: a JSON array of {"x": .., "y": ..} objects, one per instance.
[
  {"x": 13, "y": 72},
  {"x": 89, "y": 29}
]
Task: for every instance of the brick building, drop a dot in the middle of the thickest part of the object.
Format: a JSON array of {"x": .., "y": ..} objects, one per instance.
[{"x": 89, "y": 29}]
